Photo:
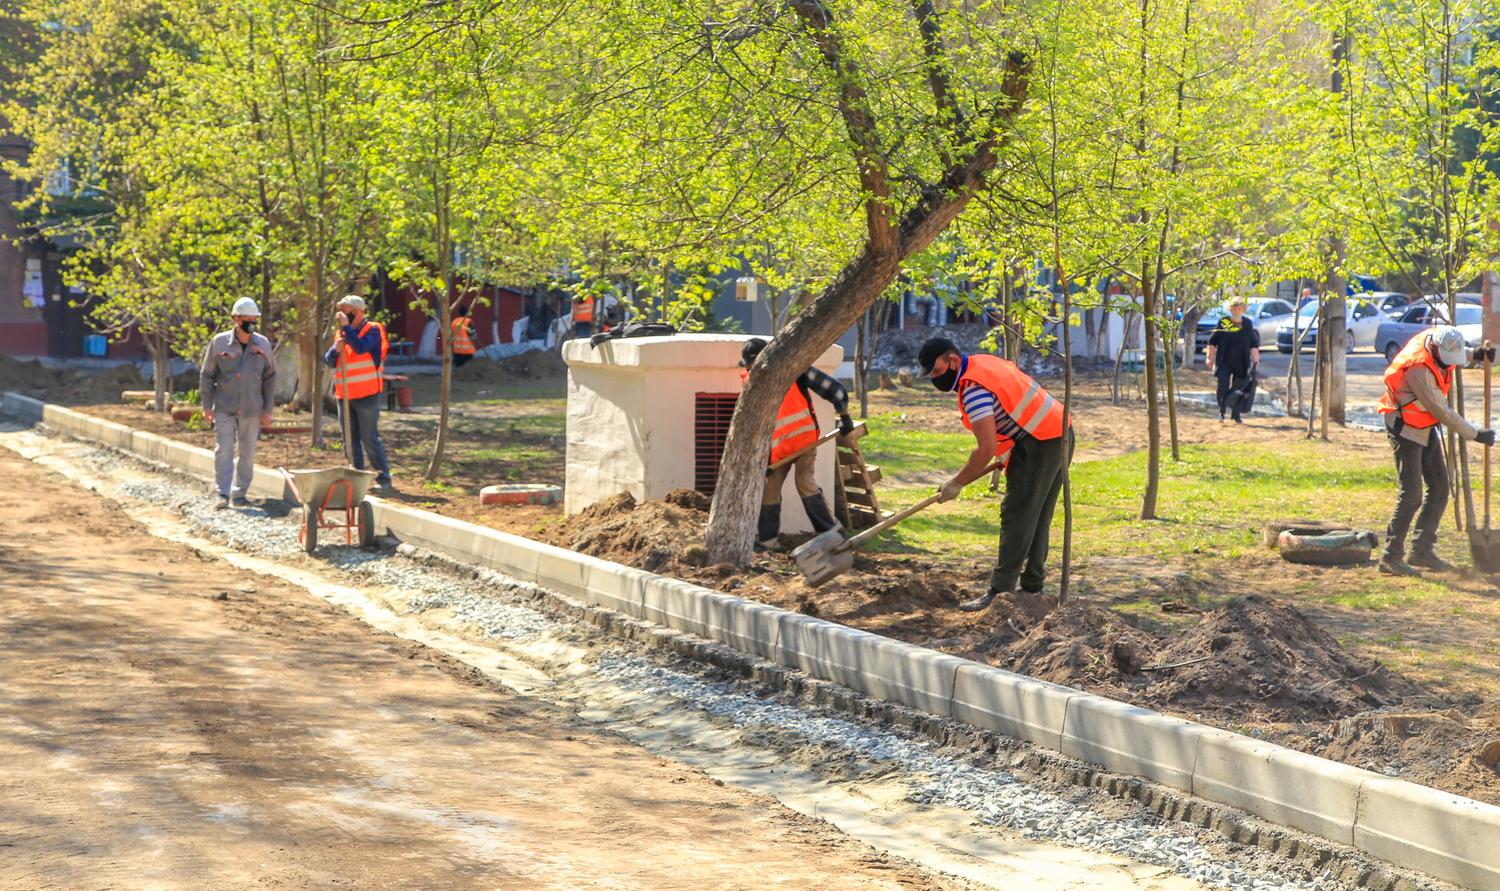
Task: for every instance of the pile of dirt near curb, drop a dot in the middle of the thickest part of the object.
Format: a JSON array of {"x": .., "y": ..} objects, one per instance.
[
  {"x": 1260, "y": 651},
  {"x": 1077, "y": 643},
  {"x": 69, "y": 385},
  {"x": 658, "y": 536}
]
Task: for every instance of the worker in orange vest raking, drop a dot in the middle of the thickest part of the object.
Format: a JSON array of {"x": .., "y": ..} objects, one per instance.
[
  {"x": 463, "y": 337},
  {"x": 1015, "y": 419},
  {"x": 361, "y": 345},
  {"x": 583, "y": 316},
  {"x": 796, "y": 429},
  {"x": 1414, "y": 403}
]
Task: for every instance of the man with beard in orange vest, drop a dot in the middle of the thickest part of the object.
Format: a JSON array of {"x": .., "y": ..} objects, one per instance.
[
  {"x": 1414, "y": 403},
  {"x": 796, "y": 428},
  {"x": 1014, "y": 418}
]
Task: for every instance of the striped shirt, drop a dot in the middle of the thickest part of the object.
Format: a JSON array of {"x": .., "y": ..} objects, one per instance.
[
  {"x": 827, "y": 387},
  {"x": 980, "y": 403}
]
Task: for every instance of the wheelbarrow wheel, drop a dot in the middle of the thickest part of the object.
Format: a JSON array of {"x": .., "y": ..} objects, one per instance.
[
  {"x": 366, "y": 524},
  {"x": 309, "y": 528}
]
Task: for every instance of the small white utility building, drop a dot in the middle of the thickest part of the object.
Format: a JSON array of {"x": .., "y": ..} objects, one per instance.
[{"x": 648, "y": 415}]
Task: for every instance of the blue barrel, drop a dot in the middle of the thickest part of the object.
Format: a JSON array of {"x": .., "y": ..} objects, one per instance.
[{"x": 95, "y": 345}]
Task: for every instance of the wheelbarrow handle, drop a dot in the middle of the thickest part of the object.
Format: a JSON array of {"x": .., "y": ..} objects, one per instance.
[{"x": 895, "y": 518}]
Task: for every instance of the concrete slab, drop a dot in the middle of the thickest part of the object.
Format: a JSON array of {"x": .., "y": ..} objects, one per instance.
[
  {"x": 1453, "y": 838},
  {"x": 1015, "y": 705},
  {"x": 869, "y": 663},
  {"x": 746, "y": 625},
  {"x": 1131, "y": 739},
  {"x": 1284, "y": 786}
]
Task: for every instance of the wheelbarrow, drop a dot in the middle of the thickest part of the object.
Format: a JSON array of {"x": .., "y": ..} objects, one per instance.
[{"x": 323, "y": 493}]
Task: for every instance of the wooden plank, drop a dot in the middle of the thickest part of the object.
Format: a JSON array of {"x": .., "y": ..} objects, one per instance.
[{"x": 861, "y": 498}]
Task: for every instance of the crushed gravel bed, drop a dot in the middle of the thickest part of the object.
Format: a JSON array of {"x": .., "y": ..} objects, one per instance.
[{"x": 508, "y": 610}]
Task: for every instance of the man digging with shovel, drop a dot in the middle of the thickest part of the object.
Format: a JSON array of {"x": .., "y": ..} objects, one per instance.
[
  {"x": 794, "y": 437},
  {"x": 1414, "y": 403},
  {"x": 1018, "y": 424}
]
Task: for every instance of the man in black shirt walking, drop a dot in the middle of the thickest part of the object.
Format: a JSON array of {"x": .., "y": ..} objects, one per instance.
[{"x": 1233, "y": 353}]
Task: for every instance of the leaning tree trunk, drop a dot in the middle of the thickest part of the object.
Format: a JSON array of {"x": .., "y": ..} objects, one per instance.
[
  {"x": 1153, "y": 411},
  {"x": 1169, "y": 358},
  {"x": 731, "y": 521}
]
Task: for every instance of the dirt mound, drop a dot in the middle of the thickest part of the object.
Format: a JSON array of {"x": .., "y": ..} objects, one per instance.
[
  {"x": 1078, "y": 643},
  {"x": 1260, "y": 651},
  {"x": 25, "y": 376},
  {"x": 657, "y": 536},
  {"x": 66, "y": 385},
  {"x": 689, "y": 498},
  {"x": 1439, "y": 748},
  {"x": 534, "y": 364}
]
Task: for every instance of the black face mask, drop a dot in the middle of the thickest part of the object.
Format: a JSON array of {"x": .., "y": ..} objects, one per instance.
[
  {"x": 945, "y": 381},
  {"x": 247, "y": 326}
]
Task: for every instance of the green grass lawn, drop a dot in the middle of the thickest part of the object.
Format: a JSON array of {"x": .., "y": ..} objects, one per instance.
[{"x": 1211, "y": 505}]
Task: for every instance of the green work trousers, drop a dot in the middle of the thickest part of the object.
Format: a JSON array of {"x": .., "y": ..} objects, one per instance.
[{"x": 1033, "y": 478}]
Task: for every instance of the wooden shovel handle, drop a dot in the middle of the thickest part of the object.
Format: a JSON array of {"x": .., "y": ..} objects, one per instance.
[
  {"x": 895, "y": 518},
  {"x": 858, "y": 432}
]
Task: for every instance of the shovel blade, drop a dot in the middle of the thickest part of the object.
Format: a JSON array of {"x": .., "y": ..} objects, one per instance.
[
  {"x": 1484, "y": 549},
  {"x": 824, "y": 557}
]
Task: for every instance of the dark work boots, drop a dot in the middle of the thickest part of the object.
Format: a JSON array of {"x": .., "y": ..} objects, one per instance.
[
  {"x": 768, "y": 527},
  {"x": 1428, "y": 559},
  {"x": 818, "y": 514}
]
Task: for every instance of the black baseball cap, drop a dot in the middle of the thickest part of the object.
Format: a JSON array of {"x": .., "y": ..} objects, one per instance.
[
  {"x": 934, "y": 349},
  {"x": 750, "y": 350}
]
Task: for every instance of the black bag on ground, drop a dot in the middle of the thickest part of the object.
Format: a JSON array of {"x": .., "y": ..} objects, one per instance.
[{"x": 634, "y": 329}]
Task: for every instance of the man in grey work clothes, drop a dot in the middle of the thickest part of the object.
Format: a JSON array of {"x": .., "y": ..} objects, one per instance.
[{"x": 238, "y": 385}]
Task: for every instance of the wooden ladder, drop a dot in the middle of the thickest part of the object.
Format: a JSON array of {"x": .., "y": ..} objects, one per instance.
[{"x": 857, "y": 505}]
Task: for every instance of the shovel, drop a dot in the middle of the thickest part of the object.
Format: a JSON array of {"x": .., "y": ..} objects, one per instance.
[
  {"x": 1484, "y": 544},
  {"x": 859, "y": 431},
  {"x": 828, "y": 555}
]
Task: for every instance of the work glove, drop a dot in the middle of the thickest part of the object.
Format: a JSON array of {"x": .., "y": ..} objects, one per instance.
[
  {"x": 1485, "y": 437},
  {"x": 1484, "y": 354},
  {"x": 949, "y": 490},
  {"x": 846, "y": 424}
]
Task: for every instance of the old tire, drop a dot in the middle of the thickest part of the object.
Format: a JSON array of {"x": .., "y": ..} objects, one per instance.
[
  {"x": 1328, "y": 549},
  {"x": 1271, "y": 532},
  {"x": 1392, "y": 349},
  {"x": 366, "y": 524},
  {"x": 309, "y": 528}
]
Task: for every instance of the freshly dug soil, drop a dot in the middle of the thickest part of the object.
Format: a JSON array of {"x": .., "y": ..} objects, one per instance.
[{"x": 1254, "y": 664}]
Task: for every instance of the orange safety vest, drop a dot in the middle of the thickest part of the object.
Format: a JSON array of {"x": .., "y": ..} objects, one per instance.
[
  {"x": 1027, "y": 402},
  {"x": 1414, "y": 355},
  {"x": 583, "y": 311},
  {"x": 796, "y": 425},
  {"x": 357, "y": 372},
  {"x": 463, "y": 343}
]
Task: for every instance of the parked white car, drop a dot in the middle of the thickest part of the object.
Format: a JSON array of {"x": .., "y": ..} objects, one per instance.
[{"x": 1364, "y": 322}]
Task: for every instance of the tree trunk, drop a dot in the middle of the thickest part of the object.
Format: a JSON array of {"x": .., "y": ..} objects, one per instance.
[
  {"x": 861, "y": 363},
  {"x": 156, "y": 345},
  {"x": 1334, "y": 330},
  {"x": 1169, "y": 355},
  {"x": 1153, "y": 411},
  {"x": 442, "y": 192}
]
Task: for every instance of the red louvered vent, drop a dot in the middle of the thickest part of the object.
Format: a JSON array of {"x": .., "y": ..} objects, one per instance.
[{"x": 711, "y": 415}]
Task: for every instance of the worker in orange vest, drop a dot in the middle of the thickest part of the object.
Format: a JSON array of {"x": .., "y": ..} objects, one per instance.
[
  {"x": 583, "y": 316},
  {"x": 1414, "y": 403},
  {"x": 463, "y": 337},
  {"x": 796, "y": 429},
  {"x": 1015, "y": 419},
  {"x": 357, "y": 355}
]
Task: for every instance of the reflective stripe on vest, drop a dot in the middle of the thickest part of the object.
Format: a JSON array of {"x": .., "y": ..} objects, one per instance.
[
  {"x": 463, "y": 344},
  {"x": 1026, "y": 401},
  {"x": 1414, "y": 355},
  {"x": 357, "y": 372},
  {"x": 796, "y": 425}
]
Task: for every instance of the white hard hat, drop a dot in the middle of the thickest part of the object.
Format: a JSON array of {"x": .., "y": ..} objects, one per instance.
[
  {"x": 1449, "y": 342},
  {"x": 245, "y": 307},
  {"x": 353, "y": 301}
]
